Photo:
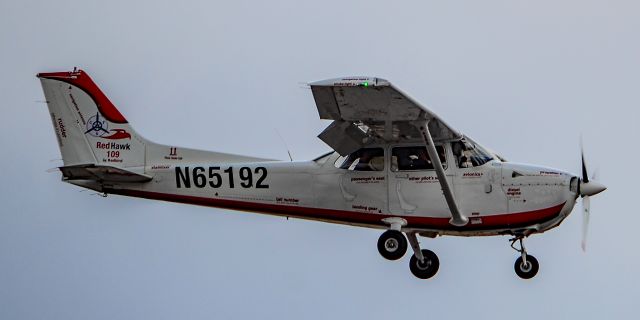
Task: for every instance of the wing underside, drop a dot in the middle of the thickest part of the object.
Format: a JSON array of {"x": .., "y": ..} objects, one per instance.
[{"x": 371, "y": 110}]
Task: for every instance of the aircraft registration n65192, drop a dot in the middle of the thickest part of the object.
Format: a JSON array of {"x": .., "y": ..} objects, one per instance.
[{"x": 396, "y": 166}]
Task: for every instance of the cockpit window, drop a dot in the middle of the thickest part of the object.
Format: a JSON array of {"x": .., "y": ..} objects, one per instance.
[
  {"x": 469, "y": 154},
  {"x": 414, "y": 158},
  {"x": 365, "y": 159}
]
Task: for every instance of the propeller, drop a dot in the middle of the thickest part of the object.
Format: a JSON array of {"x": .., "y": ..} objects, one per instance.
[{"x": 587, "y": 188}]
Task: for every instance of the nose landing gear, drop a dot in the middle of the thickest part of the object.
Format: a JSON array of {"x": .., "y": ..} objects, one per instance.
[{"x": 526, "y": 266}]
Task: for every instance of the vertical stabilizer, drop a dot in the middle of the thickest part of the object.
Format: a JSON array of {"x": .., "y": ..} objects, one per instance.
[{"x": 89, "y": 128}]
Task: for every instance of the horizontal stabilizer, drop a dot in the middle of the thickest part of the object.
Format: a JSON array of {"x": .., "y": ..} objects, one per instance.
[{"x": 102, "y": 173}]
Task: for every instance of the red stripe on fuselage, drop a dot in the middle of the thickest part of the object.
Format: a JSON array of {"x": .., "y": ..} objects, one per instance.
[
  {"x": 82, "y": 80},
  {"x": 499, "y": 221}
]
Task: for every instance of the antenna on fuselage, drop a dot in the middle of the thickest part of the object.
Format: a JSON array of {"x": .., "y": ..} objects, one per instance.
[{"x": 285, "y": 144}]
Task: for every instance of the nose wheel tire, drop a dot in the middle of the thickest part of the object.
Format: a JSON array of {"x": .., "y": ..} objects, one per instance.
[
  {"x": 392, "y": 245},
  {"x": 526, "y": 270},
  {"x": 426, "y": 268}
]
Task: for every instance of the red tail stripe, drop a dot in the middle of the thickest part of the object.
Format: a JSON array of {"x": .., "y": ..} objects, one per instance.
[{"x": 82, "y": 80}]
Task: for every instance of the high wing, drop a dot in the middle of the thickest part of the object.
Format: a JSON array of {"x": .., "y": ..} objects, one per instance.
[{"x": 369, "y": 110}]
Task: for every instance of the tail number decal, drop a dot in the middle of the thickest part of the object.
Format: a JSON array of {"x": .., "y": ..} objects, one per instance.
[{"x": 215, "y": 177}]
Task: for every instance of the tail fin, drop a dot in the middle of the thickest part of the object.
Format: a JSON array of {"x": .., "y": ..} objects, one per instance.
[
  {"x": 98, "y": 144},
  {"x": 89, "y": 128}
]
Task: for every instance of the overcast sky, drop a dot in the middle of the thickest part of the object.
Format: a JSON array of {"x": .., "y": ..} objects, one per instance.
[{"x": 524, "y": 78}]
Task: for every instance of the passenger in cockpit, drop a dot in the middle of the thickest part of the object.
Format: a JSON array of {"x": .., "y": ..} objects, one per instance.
[
  {"x": 368, "y": 159},
  {"x": 363, "y": 162}
]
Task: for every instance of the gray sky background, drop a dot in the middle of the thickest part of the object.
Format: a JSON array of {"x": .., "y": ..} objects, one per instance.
[{"x": 525, "y": 78}]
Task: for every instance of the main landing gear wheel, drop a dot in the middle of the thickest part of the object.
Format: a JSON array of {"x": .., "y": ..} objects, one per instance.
[
  {"x": 392, "y": 245},
  {"x": 528, "y": 268},
  {"x": 526, "y": 265},
  {"x": 426, "y": 268}
]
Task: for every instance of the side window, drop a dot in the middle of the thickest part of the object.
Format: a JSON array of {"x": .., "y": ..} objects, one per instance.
[
  {"x": 365, "y": 159},
  {"x": 469, "y": 155},
  {"x": 414, "y": 158}
]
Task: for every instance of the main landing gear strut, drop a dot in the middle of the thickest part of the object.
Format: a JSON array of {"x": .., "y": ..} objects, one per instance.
[
  {"x": 526, "y": 265},
  {"x": 392, "y": 245}
]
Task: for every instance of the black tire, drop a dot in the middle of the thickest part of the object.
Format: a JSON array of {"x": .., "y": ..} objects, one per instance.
[
  {"x": 392, "y": 245},
  {"x": 427, "y": 268},
  {"x": 526, "y": 271}
]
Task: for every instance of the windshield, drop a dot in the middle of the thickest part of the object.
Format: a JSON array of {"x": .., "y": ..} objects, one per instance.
[{"x": 469, "y": 154}]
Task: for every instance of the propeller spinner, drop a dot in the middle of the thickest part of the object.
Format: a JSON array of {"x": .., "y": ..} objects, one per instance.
[{"x": 588, "y": 187}]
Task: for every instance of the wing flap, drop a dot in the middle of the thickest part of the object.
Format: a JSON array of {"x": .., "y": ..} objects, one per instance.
[{"x": 343, "y": 137}]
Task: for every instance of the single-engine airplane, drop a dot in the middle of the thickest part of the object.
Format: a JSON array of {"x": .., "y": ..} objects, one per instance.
[{"x": 396, "y": 166}]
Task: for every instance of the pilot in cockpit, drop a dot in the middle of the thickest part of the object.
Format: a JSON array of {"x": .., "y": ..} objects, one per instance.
[
  {"x": 468, "y": 154},
  {"x": 462, "y": 155},
  {"x": 421, "y": 161}
]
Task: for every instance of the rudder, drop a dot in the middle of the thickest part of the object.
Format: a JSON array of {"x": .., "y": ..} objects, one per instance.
[{"x": 89, "y": 128}]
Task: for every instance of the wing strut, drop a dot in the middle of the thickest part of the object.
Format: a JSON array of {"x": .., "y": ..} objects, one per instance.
[{"x": 457, "y": 219}]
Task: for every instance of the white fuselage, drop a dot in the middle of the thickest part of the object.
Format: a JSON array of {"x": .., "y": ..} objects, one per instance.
[{"x": 497, "y": 197}]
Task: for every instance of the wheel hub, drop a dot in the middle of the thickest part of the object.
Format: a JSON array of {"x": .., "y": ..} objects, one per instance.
[
  {"x": 424, "y": 265},
  {"x": 525, "y": 266},
  {"x": 391, "y": 245}
]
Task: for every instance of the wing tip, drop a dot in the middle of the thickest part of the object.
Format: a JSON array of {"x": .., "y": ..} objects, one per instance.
[{"x": 354, "y": 81}]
